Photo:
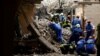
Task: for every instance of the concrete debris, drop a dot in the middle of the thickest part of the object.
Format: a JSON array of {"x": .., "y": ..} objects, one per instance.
[
  {"x": 66, "y": 33},
  {"x": 46, "y": 31}
]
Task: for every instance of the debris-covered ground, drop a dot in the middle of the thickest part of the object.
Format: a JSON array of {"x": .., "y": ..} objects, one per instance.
[
  {"x": 52, "y": 54},
  {"x": 49, "y": 35}
]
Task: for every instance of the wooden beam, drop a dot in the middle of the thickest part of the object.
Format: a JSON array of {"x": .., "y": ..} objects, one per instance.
[
  {"x": 34, "y": 29},
  {"x": 88, "y": 2},
  {"x": 43, "y": 40}
]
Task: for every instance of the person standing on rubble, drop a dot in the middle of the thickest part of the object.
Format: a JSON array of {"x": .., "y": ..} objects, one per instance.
[
  {"x": 62, "y": 18},
  {"x": 79, "y": 20},
  {"x": 76, "y": 20},
  {"x": 76, "y": 33},
  {"x": 89, "y": 29},
  {"x": 69, "y": 18},
  {"x": 68, "y": 21}
]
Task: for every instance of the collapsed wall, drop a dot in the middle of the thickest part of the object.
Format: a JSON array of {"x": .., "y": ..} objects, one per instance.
[{"x": 38, "y": 29}]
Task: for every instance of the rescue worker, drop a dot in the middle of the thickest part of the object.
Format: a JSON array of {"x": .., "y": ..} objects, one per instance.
[
  {"x": 76, "y": 20},
  {"x": 69, "y": 18},
  {"x": 55, "y": 17},
  {"x": 68, "y": 21},
  {"x": 65, "y": 24},
  {"x": 80, "y": 47},
  {"x": 58, "y": 30},
  {"x": 79, "y": 20},
  {"x": 62, "y": 18},
  {"x": 89, "y": 29},
  {"x": 90, "y": 45},
  {"x": 84, "y": 48},
  {"x": 76, "y": 33}
]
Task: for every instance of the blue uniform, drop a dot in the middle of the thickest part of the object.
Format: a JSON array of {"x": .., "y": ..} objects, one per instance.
[
  {"x": 80, "y": 46},
  {"x": 90, "y": 46},
  {"x": 89, "y": 28},
  {"x": 62, "y": 18},
  {"x": 76, "y": 21},
  {"x": 76, "y": 33},
  {"x": 58, "y": 30}
]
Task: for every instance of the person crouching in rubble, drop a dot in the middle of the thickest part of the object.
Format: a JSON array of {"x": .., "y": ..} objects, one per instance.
[
  {"x": 90, "y": 45},
  {"x": 55, "y": 25},
  {"x": 76, "y": 33},
  {"x": 80, "y": 46},
  {"x": 85, "y": 48}
]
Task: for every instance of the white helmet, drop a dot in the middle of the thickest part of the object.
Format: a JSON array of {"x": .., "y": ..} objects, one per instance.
[
  {"x": 77, "y": 25},
  {"x": 51, "y": 15},
  {"x": 61, "y": 14}
]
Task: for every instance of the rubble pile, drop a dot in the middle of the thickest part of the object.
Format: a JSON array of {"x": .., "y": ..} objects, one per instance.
[
  {"x": 44, "y": 28},
  {"x": 48, "y": 33},
  {"x": 66, "y": 33},
  {"x": 47, "y": 36}
]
